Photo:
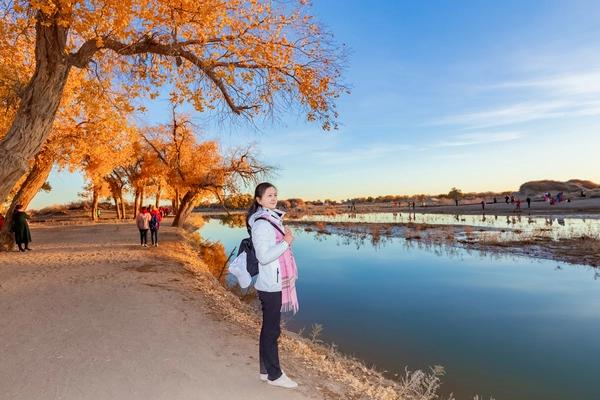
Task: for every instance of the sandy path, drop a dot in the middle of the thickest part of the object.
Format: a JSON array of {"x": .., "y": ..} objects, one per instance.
[{"x": 90, "y": 315}]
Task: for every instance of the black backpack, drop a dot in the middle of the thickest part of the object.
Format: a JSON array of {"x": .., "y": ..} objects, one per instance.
[
  {"x": 153, "y": 221},
  {"x": 247, "y": 246}
]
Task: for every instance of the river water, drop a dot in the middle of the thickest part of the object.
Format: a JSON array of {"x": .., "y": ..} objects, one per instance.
[{"x": 509, "y": 327}]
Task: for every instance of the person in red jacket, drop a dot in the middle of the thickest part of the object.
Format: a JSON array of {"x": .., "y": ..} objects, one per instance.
[{"x": 155, "y": 219}]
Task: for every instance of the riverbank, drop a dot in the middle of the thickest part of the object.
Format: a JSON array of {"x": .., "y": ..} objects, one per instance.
[
  {"x": 89, "y": 314},
  {"x": 582, "y": 207}
]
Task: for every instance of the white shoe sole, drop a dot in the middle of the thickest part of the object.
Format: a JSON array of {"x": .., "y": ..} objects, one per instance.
[{"x": 286, "y": 383}]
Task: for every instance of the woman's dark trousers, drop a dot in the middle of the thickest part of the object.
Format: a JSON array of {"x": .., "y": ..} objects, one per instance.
[
  {"x": 269, "y": 333},
  {"x": 143, "y": 236},
  {"x": 154, "y": 236}
]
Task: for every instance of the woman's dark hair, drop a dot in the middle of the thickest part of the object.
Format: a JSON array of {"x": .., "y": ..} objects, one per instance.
[{"x": 260, "y": 190}]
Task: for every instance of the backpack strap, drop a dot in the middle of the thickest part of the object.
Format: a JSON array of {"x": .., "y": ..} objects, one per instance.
[{"x": 274, "y": 226}]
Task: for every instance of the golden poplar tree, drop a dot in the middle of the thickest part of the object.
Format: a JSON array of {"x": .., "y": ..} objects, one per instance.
[{"x": 238, "y": 56}]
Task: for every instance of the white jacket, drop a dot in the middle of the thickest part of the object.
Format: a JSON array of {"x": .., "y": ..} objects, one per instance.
[{"x": 267, "y": 250}]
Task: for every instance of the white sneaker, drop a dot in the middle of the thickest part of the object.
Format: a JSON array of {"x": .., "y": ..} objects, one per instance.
[
  {"x": 284, "y": 382},
  {"x": 264, "y": 377}
]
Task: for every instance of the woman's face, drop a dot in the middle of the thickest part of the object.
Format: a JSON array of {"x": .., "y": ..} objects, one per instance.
[{"x": 268, "y": 199}]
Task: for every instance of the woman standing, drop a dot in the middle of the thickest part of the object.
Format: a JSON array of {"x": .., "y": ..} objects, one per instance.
[
  {"x": 21, "y": 228},
  {"x": 143, "y": 224},
  {"x": 277, "y": 274},
  {"x": 155, "y": 218}
]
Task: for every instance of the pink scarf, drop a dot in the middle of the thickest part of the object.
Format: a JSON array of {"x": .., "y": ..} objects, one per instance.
[{"x": 288, "y": 270}]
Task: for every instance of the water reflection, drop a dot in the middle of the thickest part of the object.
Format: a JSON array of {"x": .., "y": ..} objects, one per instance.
[
  {"x": 558, "y": 228},
  {"x": 441, "y": 242}
]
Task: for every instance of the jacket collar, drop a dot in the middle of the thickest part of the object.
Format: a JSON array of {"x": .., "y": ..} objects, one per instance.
[{"x": 274, "y": 215}]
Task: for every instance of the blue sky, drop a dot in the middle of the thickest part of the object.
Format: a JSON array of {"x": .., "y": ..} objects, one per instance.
[{"x": 477, "y": 95}]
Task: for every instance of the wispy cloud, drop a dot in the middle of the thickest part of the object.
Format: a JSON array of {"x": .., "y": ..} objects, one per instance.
[
  {"x": 523, "y": 112},
  {"x": 364, "y": 153},
  {"x": 470, "y": 139},
  {"x": 579, "y": 83},
  {"x": 549, "y": 97}
]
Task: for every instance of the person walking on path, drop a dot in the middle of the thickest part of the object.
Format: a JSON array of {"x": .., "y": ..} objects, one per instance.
[
  {"x": 276, "y": 282},
  {"x": 154, "y": 224},
  {"x": 528, "y": 202},
  {"x": 143, "y": 224},
  {"x": 20, "y": 227}
]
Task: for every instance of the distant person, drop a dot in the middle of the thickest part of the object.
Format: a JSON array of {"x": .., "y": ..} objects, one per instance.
[
  {"x": 495, "y": 200},
  {"x": 518, "y": 204},
  {"x": 276, "y": 282},
  {"x": 143, "y": 224},
  {"x": 512, "y": 199},
  {"x": 483, "y": 205},
  {"x": 20, "y": 227},
  {"x": 583, "y": 194},
  {"x": 528, "y": 202},
  {"x": 506, "y": 199},
  {"x": 154, "y": 224},
  {"x": 456, "y": 201}
]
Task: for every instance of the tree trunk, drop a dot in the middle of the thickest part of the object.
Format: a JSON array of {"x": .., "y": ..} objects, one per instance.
[
  {"x": 123, "y": 209},
  {"x": 142, "y": 197},
  {"x": 117, "y": 207},
  {"x": 186, "y": 207},
  {"x": 175, "y": 202},
  {"x": 95, "y": 197},
  {"x": 136, "y": 203},
  {"x": 157, "y": 203},
  {"x": 30, "y": 187},
  {"x": 32, "y": 123}
]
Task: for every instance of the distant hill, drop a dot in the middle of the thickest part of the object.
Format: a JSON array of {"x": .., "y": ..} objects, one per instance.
[{"x": 572, "y": 185}]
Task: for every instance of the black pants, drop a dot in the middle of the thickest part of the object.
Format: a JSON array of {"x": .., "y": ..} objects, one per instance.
[
  {"x": 143, "y": 236},
  {"x": 154, "y": 236},
  {"x": 269, "y": 333}
]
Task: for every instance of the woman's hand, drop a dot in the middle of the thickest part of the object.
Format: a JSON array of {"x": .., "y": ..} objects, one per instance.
[{"x": 289, "y": 238}]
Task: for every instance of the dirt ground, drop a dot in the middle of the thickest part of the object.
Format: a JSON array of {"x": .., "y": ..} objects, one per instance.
[{"x": 89, "y": 314}]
